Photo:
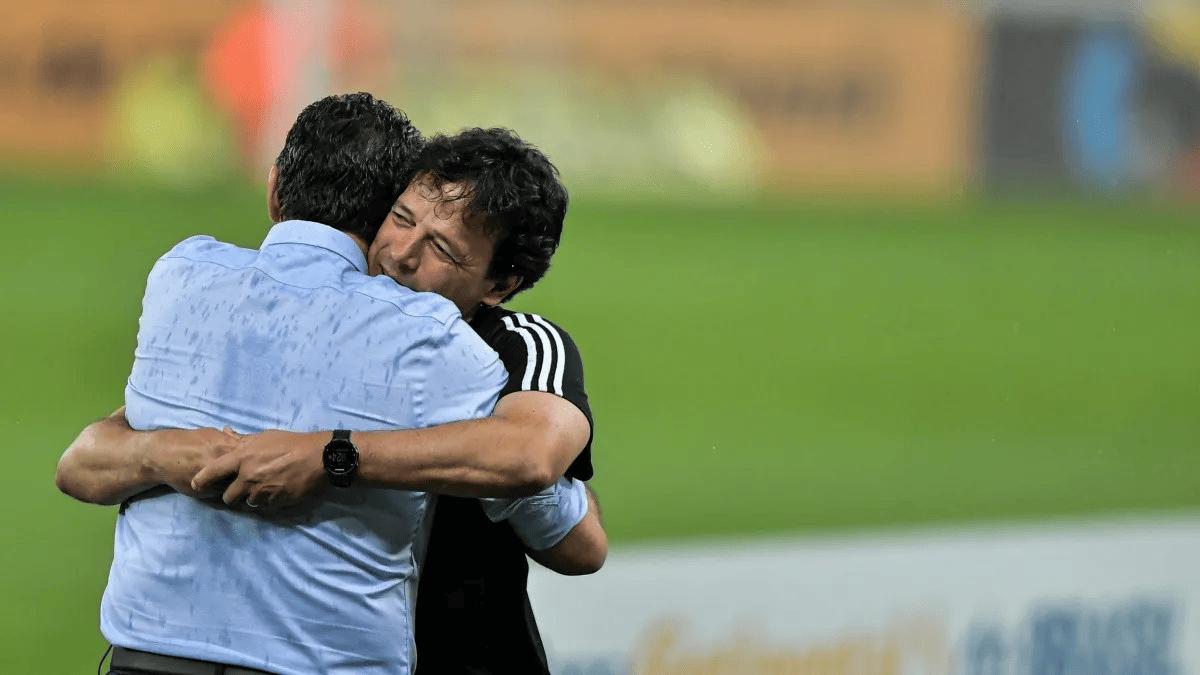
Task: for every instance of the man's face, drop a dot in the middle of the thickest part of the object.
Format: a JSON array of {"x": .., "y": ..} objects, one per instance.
[{"x": 425, "y": 246}]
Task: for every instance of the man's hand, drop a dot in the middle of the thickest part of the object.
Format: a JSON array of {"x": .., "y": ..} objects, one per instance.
[
  {"x": 270, "y": 470},
  {"x": 189, "y": 451}
]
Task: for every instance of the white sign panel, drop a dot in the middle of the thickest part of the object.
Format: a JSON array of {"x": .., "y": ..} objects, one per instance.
[{"x": 1112, "y": 598}]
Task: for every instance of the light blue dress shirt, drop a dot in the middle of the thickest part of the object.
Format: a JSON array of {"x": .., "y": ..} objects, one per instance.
[{"x": 294, "y": 336}]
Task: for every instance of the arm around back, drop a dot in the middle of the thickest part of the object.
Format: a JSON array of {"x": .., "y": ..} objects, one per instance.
[
  {"x": 109, "y": 462},
  {"x": 522, "y": 448}
]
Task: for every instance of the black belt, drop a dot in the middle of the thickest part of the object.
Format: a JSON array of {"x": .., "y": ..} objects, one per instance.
[{"x": 132, "y": 659}]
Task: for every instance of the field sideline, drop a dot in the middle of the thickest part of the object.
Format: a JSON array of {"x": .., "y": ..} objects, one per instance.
[{"x": 753, "y": 367}]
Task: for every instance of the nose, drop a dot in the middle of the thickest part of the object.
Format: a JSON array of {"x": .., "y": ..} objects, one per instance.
[{"x": 406, "y": 255}]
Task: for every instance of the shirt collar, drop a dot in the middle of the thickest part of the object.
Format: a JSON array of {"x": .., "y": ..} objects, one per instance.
[{"x": 316, "y": 234}]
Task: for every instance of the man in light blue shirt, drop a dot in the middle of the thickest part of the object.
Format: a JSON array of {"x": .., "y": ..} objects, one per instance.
[{"x": 296, "y": 336}]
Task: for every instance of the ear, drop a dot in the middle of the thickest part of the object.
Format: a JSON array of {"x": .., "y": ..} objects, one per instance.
[
  {"x": 273, "y": 210},
  {"x": 501, "y": 290}
]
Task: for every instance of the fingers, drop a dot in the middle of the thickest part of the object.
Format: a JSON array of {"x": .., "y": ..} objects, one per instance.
[
  {"x": 246, "y": 491},
  {"x": 245, "y": 494},
  {"x": 231, "y": 433},
  {"x": 213, "y": 491},
  {"x": 223, "y": 467},
  {"x": 262, "y": 498},
  {"x": 236, "y": 491}
]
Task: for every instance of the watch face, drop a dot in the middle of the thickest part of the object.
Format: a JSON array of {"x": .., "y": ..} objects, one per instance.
[{"x": 340, "y": 457}]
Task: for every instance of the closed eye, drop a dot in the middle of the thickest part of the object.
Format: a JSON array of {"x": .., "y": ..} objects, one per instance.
[{"x": 443, "y": 252}]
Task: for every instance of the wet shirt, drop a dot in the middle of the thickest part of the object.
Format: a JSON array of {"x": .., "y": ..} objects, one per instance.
[{"x": 293, "y": 336}]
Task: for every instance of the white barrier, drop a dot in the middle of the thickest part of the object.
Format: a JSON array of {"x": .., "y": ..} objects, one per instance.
[{"x": 1118, "y": 597}]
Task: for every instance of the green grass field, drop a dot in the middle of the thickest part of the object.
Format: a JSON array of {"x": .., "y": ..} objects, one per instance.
[{"x": 754, "y": 367}]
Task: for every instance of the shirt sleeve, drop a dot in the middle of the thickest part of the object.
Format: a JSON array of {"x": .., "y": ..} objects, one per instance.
[
  {"x": 541, "y": 356},
  {"x": 543, "y": 520},
  {"x": 462, "y": 377}
]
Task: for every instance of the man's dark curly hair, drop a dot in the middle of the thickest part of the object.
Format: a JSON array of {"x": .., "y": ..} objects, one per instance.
[
  {"x": 511, "y": 190},
  {"x": 345, "y": 160}
]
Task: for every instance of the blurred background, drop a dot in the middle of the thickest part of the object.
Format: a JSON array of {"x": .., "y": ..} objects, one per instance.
[{"x": 889, "y": 309}]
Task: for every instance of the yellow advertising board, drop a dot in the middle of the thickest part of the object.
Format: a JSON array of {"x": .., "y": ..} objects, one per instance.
[
  {"x": 839, "y": 93},
  {"x": 870, "y": 95},
  {"x": 61, "y": 61}
]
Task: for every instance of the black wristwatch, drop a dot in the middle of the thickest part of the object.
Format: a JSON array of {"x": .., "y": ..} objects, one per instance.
[{"x": 341, "y": 459}]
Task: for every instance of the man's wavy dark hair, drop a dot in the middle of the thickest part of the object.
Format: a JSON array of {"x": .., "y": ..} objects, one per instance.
[
  {"x": 345, "y": 160},
  {"x": 512, "y": 191}
]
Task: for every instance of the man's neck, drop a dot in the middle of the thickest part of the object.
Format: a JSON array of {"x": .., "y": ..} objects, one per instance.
[{"x": 474, "y": 312}]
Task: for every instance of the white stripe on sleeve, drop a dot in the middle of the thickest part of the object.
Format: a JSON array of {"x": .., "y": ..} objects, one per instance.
[
  {"x": 547, "y": 351},
  {"x": 560, "y": 352},
  {"x": 531, "y": 351}
]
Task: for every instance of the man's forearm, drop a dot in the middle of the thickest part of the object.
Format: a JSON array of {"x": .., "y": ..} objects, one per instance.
[
  {"x": 522, "y": 448},
  {"x": 528, "y": 442},
  {"x": 106, "y": 464},
  {"x": 110, "y": 462},
  {"x": 491, "y": 457}
]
